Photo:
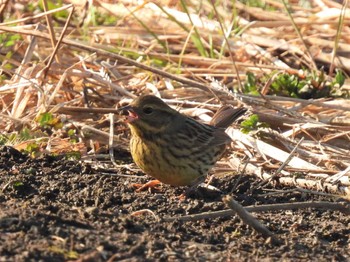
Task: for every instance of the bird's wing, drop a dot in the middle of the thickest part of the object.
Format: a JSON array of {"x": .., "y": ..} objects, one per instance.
[
  {"x": 217, "y": 137},
  {"x": 201, "y": 135}
]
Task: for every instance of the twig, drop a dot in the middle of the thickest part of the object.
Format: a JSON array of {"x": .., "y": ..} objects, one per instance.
[
  {"x": 267, "y": 104},
  {"x": 56, "y": 43},
  {"x": 307, "y": 49},
  {"x": 213, "y": 4},
  {"x": 50, "y": 29},
  {"x": 96, "y": 134},
  {"x": 337, "y": 38},
  {"x": 3, "y": 6},
  {"x": 341, "y": 207},
  {"x": 30, "y": 18},
  {"x": 241, "y": 173},
  {"x": 249, "y": 219},
  {"x": 145, "y": 211},
  {"x": 298, "y": 189},
  {"x": 335, "y": 178},
  {"x": 74, "y": 109},
  {"x": 111, "y": 138},
  {"x": 278, "y": 171}
]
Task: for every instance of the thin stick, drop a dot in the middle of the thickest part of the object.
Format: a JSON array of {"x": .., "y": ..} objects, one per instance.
[
  {"x": 46, "y": 69},
  {"x": 314, "y": 67},
  {"x": 50, "y": 27},
  {"x": 286, "y": 162},
  {"x": 249, "y": 219},
  {"x": 145, "y": 211},
  {"x": 74, "y": 109},
  {"x": 111, "y": 140},
  {"x": 241, "y": 173},
  {"x": 341, "y": 207},
  {"x": 337, "y": 38},
  {"x": 96, "y": 134},
  {"x": 298, "y": 189},
  {"x": 33, "y": 17},
  {"x": 213, "y": 4}
]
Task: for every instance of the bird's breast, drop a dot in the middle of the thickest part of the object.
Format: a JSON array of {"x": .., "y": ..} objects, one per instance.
[{"x": 171, "y": 164}]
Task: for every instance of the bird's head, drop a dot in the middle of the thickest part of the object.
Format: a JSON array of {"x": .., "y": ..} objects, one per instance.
[{"x": 149, "y": 113}]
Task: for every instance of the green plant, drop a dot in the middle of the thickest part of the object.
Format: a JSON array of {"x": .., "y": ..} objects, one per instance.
[
  {"x": 8, "y": 40},
  {"x": 73, "y": 155},
  {"x": 303, "y": 84},
  {"x": 309, "y": 84},
  {"x": 252, "y": 124},
  {"x": 250, "y": 86},
  {"x": 13, "y": 138},
  {"x": 47, "y": 120},
  {"x": 68, "y": 254},
  {"x": 32, "y": 148},
  {"x": 18, "y": 185},
  {"x": 258, "y": 3}
]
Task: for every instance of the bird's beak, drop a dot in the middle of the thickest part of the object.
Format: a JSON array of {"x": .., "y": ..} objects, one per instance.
[
  {"x": 124, "y": 109},
  {"x": 129, "y": 112}
]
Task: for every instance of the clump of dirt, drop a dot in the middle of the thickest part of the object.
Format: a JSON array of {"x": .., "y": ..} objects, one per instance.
[{"x": 53, "y": 209}]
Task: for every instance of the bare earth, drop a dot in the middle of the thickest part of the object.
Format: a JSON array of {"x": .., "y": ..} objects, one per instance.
[{"x": 52, "y": 209}]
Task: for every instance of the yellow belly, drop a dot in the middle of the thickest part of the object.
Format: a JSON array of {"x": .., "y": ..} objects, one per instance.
[{"x": 160, "y": 162}]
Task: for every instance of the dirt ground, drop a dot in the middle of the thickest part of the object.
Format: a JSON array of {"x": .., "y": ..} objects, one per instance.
[{"x": 52, "y": 209}]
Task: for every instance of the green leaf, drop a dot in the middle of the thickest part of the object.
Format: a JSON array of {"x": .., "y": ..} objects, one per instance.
[
  {"x": 17, "y": 185},
  {"x": 32, "y": 147},
  {"x": 25, "y": 134},
  {"x": 74, "y": 155},
  {"x": 48, "y": 120},
  {"x": 45, "y": 119},
  {"x": 250, "y": 123},
  {"x": 339, "y": 78},
  {"x": 250, "y": 86}
]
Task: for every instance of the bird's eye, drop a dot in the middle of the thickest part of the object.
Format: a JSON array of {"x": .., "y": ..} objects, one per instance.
[{"x": 147, "y": 110}]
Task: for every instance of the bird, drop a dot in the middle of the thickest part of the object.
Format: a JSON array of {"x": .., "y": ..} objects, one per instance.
[{"x": 171, "y": 147}]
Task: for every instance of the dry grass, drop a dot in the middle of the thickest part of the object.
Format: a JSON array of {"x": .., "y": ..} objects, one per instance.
[{"x": 195, "y": 60}]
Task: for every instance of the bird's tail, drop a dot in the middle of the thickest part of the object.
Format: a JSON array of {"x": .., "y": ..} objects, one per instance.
[{"x": 226, "y": 115}]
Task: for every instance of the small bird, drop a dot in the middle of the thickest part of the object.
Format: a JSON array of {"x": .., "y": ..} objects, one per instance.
[{"x": 174, "y": 148}]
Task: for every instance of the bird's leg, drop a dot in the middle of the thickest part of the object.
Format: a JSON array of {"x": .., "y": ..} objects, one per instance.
[
  {"x": 192, "y": 187},
  {"x": 200, "y": 183},
  {"x": 210, "y": 187},
  {"x": 149, "y": 185},
  {"x": 207, "y": 184}
]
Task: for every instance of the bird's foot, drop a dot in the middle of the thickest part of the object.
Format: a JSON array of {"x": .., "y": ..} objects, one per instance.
[{"x": 153, "y": 184}]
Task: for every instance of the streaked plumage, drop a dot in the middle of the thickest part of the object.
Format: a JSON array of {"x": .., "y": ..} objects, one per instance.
[{"x": 172, "y": 147}]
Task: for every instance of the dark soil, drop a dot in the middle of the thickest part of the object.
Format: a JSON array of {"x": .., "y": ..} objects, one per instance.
[{"x": 52, "y": 209}]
